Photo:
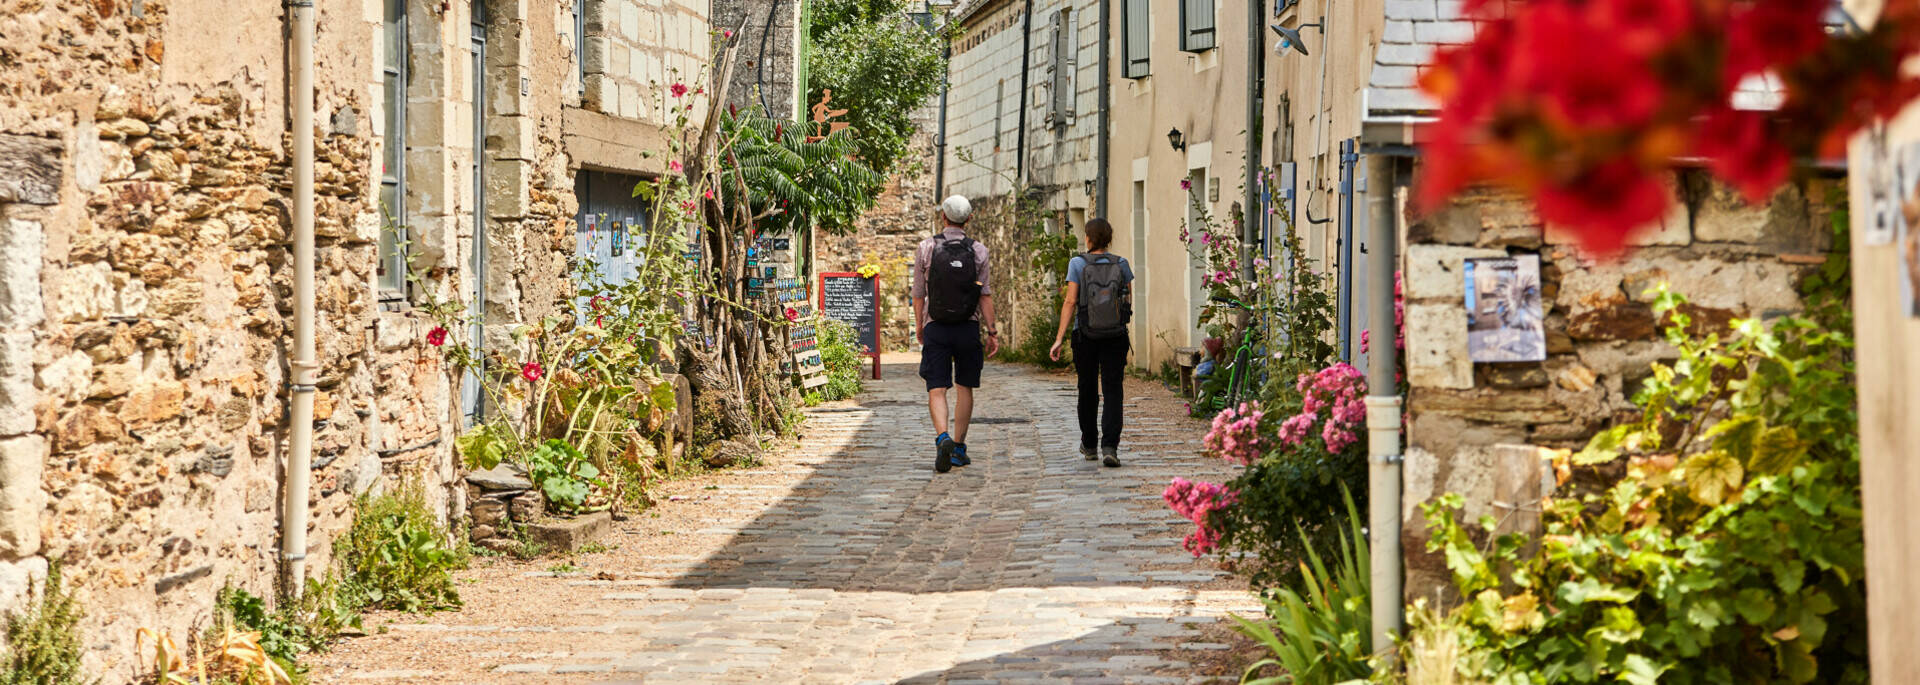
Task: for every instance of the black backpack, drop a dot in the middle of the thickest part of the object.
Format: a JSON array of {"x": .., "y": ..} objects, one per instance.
[
  {"x": 953, "y": 282},
  {"x": 1104, "y": 310}
]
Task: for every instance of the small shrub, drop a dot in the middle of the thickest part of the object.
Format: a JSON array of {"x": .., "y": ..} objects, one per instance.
[
  {"x": 397, "y": 554},
  {"x": 43, "y": 644},
  {"x": 839, "y": 347}
]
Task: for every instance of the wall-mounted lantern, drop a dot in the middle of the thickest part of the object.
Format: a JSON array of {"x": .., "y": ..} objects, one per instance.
[{"x": 1178, "y": 139}]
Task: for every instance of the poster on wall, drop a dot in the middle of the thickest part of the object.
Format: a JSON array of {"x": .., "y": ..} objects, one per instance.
[
  {"x": 1504, "y": 312},
  {"x": 1907, "y": 217}
]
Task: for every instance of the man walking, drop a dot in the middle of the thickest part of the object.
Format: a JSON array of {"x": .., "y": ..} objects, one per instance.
[{"x": 952, "y": 296}]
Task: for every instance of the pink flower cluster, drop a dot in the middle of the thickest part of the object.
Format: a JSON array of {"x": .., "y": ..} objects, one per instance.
[
  {"x": 1335, "y": 395},
  {"x": 1195, "y": 500},
  {"x": 1235, "y": 435}
]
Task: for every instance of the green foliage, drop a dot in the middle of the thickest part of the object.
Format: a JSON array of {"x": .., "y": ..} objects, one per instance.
[
  {"x": 396, "y": 555},
  {"x": 1731, "y": 552},
  {"x": 564, "y": 475},
  {"x": 880, "y": 66},
  {"x": 790, "y": 183},
  {"x": 43, "y": 643},
  {"x": 839, "y": 347},
  {"x": 1320, "y": 634}
]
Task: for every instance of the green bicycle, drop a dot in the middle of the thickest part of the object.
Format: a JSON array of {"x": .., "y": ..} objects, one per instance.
[{"x": 1244, "y": 373}]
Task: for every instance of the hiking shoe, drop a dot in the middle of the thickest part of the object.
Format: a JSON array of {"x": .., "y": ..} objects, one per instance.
[
  {"x": 959, "y": 457},
  {"x": 943, "y": 457},
  {"x": 1088, "y": 452},
  {"x": 1109, "y": 456}
]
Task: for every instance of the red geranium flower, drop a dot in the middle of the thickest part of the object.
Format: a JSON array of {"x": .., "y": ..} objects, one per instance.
[
  {"x": 1611, "y": 202},
  {"x": 1743, "y": 148},
  {"x": 1770, "y": 33},
  {"x": 437, "y": 336},
  {"x": 532, "y": 371}
]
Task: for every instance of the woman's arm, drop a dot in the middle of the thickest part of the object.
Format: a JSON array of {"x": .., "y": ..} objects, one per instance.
[{"x": 1066, "y": 315}]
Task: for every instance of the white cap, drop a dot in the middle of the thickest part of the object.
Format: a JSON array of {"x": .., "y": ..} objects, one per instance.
[{"x": 956, "y": 209}]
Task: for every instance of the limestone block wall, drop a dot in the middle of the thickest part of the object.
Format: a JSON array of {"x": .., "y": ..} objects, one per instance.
[
  {"x": 635, "y": 50},
  {"x": 769, "y": 34},
  {"x": 1730, "y": 259},
  {"x": 983, "y": 100},
  {"x": 905, "y": 213}
]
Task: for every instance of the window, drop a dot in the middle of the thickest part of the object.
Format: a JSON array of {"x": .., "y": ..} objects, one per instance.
[
  {"x": 1062, "y": 65},
  {"x": 1196, "y": 25},
  {"x": 392, "y": 268},
  {"x": 1135, "y": 48}
]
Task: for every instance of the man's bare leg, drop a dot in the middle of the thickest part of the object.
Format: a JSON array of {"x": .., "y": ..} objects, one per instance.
[
  {"x": 962, "y": 412},
  {"x": 937, "y": 405}
]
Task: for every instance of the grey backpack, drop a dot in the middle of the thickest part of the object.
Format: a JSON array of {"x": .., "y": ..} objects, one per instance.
[{"x": 1104, "y": 310}]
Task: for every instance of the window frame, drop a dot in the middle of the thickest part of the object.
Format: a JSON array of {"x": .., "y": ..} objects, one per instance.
[
  {"x": 391, "y": 276},
  {"x": 1136, "y": 61},
  {"x": 1191, "y": 33}
]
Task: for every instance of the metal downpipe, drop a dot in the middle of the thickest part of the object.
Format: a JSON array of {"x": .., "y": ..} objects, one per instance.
[
  {"x": 1383, "y": 408},
  {"x": 293, "y": 511}
]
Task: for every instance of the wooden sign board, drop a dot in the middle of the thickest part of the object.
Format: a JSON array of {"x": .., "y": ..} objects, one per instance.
[{"x": 855, "y": 300}]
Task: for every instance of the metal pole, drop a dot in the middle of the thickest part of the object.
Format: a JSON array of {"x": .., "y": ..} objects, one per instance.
[
  {"x": 1347, "y": 161},
  {"x": 1020, "y": 139},
  {"x": 940, "y": 141},
  {"x": 1101, "y": 179},
  {"x": 1383, "y": 408},
  {"x": 293, "y": 513},
  {"x": 1256, "y": 66}
]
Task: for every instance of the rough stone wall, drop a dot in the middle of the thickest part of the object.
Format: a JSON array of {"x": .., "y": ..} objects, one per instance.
[
  {"x": 1061, "y": 155},
  {"x": 769, "y": 35},
  {"x": 983, "y": 101},
  {"x": 146, "y": 279},
  {"x": 1730, "y": 259},
  {"x": 637, "y": 49}
]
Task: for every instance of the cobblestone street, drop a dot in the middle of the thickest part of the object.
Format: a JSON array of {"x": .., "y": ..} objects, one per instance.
[{"x": 845, "y": 559}]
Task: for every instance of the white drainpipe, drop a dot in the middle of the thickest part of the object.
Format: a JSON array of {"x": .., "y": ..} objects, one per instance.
[{"x": 293, "y": 512}]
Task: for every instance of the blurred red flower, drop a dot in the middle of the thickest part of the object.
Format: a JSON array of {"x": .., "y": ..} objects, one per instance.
[
  {"x": 437, "y": 336},
  {"x": 532, "y": 371}
]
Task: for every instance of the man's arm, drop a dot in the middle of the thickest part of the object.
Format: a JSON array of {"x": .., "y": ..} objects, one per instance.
[
  {"x": 986, "y": 318},
  {"x": 920, "y": 319}
]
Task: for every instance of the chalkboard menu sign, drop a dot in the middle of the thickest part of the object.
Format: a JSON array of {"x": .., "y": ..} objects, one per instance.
[{"x": 854, "y": 299}]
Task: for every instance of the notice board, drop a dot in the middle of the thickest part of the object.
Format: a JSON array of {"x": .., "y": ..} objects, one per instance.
[{"x": 854, "y": 300}]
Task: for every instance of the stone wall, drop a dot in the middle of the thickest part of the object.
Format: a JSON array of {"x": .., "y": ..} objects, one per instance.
[
  {"x": 1731, "y": 260},
  {"x": 637, "y": 49},
  {"x": 905, "y": 213},
  {"x": 769, "y": 35},
  {"x": 146, "y": 276}
]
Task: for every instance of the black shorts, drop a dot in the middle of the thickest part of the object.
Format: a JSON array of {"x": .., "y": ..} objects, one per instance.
[{"x": 952, "y": 354}]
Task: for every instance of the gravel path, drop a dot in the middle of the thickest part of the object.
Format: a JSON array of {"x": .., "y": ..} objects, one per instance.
[{"x": 846, "y": 559}]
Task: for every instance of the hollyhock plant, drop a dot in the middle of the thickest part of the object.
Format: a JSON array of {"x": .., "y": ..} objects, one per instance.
[
  {"x": 532, "y": 371},
  {"x": 1584, "y": 105}
]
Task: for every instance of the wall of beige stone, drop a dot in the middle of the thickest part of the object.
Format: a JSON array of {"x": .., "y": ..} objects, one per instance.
[
  {"x": 636, "y": 50},
  {"x": 1730, "y": 259},
  {"x": 887, "y": 235},
  {"x": 145, "y": 280}
]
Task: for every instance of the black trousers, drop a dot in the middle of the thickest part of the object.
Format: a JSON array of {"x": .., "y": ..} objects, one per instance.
[{"x": 1101, "y": 364}]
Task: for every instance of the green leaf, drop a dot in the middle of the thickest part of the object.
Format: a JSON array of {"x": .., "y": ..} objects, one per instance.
[
  {"x": 1640, "y": 670},
  {"x": 1776, "y": 450},
  {"x": 1755, "y": 605},
  {"x": 1712, "y": 476},
  {"x": 1593, "y": 590}
]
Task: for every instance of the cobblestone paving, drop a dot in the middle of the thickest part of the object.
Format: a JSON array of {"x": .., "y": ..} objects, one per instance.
[{"x": 847, "y": 560}]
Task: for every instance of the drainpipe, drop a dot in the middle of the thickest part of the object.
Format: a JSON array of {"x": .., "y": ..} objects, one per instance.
[
  {"x": 940, "y": 141},
  {"x": 293, "y": 512},
  {"x": 1348, "y": 159},
  {"x": 1026, "y": 56},
  {"x": 1383, "y": 407},
  {"x": 1256, "y": 68},
  {"x": 1101, "y": 178}
]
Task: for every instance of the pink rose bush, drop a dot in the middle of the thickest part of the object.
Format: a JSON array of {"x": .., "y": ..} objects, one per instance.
[
  {"x": 1334, "y": 399},
  {"x": 1197, "y": 500},
  {"x": 1235, "y": 435}
]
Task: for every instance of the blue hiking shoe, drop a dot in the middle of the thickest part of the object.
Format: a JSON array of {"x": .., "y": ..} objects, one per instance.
[
  {"x": 959, "y": 457},
  {"x": 943, "y": 456}
]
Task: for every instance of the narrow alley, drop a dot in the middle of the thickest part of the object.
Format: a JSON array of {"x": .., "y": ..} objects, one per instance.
[{"x": 844, "y": 558}]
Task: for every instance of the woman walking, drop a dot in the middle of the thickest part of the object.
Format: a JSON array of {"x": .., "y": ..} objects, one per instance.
[{"x": 1099, "y": 304}]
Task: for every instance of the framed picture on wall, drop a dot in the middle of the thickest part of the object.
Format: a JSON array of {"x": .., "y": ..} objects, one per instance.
[{"x": 1504, "y": 311}]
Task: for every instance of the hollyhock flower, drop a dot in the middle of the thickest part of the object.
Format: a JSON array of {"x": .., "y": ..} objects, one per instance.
[
  {"x": 1186, "y": 184},
  {"x": 675, "y": 166},
  {"x": 708, "y": 194},
  {"x": 678, "y": 90},
  {"x": 1742, "y": 148},
  {"x": 792, "y": 314},
  {"x": 437, "y": 336},
  {"x": 596, "y": 302},
  {"x": 532, "y": 371},
  {"x": 1259, "y": 262},
  {"x": 728, "y": 33},
  {"x": 1611, "y": 201}
]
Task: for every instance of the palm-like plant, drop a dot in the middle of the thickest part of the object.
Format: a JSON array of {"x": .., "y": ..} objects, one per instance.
[
  {"x": 1321, "y": 636},
  {"x": 790, "y": 182}
]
